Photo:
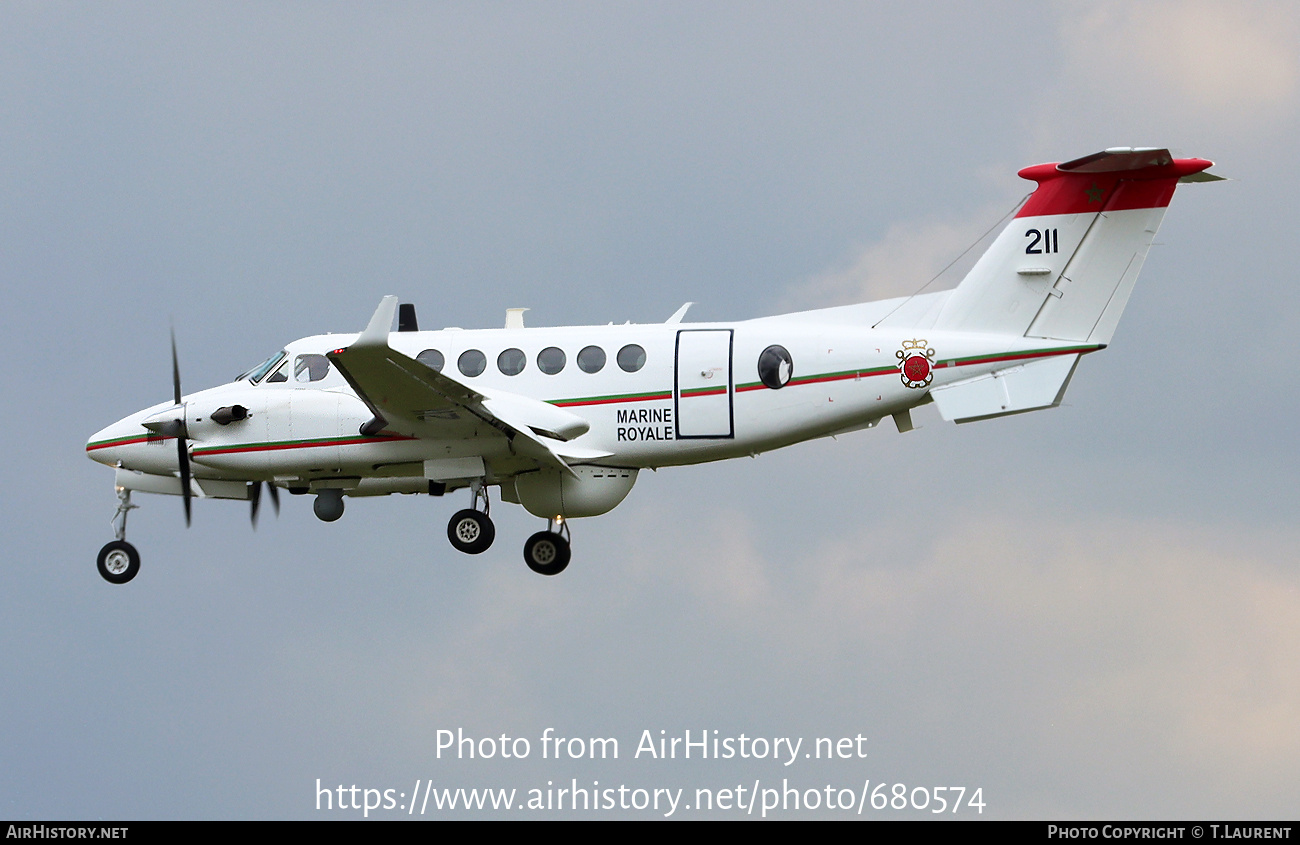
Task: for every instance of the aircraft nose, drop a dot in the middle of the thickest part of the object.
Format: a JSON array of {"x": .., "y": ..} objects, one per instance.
[{"x": 104, "y": 446}]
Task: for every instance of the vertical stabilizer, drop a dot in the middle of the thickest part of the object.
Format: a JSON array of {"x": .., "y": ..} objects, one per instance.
[{"x": 1065, "y": 266}]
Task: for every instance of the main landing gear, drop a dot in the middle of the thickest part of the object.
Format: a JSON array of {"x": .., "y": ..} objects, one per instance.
[
  {"x": 118, "y": 561},
  {"x": 471, "y": 530},
  {"x": 548, "y": 552}
]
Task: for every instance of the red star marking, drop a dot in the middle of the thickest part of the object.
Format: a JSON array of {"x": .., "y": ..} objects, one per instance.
[{"x": 916, "y": 368}]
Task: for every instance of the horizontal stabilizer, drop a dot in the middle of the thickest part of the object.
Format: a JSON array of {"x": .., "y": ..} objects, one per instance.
[{"x": 1015, "y": 390}]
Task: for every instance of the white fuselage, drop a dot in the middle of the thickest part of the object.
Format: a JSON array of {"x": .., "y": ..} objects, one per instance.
[{"x": 696, "y": 397}]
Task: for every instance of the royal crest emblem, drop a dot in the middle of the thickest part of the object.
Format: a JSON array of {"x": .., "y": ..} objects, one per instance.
[{"x": 915, "y": 363}]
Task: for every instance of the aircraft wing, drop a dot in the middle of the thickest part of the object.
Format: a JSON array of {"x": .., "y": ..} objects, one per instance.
[{"x": 413, "y": 399}]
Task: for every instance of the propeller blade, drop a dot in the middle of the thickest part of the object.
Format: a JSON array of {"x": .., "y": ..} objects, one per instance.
[
  {"x": 178, "y": 431},
  {"x": 254, "y": 496},
  {"x": 176, "y": 372},
  {"x": 183, "y": 458}
]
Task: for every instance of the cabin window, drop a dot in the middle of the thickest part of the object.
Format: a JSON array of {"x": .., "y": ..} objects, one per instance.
[
  {"x": 472, "y": 362},
  {"x": 775, "y": 367},
  {"x": 550, "y": 360},
  {"x": 591, "y": 359},
  {"x": 308, "y": 368},
  {"x": 432, "y": 359},
  {"x": 511, "y": 362},
  {"x": 631, "y": 358}
]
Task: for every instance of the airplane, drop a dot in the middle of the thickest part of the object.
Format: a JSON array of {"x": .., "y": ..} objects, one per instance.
[{"x": 561, "y": 420}]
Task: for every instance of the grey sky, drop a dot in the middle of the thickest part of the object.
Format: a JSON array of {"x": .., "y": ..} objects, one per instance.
[{"x": 1088, "y": 612}]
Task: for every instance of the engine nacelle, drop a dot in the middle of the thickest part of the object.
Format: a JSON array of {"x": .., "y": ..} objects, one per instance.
[{"x": 550, "y": 493}]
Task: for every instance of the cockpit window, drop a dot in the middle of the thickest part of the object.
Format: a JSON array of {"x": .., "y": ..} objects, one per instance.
[
  {"x": 279, "y": 375},
  {"x": 310, "y": 368},
  {"x": 255, "y": 375}
]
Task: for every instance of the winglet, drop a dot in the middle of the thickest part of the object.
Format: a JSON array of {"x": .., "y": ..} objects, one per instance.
[{"x": 376, "y": 334}]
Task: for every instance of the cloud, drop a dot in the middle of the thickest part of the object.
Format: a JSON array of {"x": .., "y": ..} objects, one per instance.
[
  {"x": 1165, "y": 649},
  {"x": 1212, "y": 61},
  {"x": 1169, "y": 643},
  {"x": 909, "y": 256}
]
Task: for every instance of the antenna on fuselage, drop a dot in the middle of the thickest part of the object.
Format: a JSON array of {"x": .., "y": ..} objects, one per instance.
[
  {"x": 679, "y": 314},
  {"x": 406, "y": 318}
]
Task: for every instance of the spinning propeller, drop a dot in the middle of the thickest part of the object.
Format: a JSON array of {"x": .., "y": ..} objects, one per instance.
[
  {"x": 171, "y": 423},
  {"x": 182, "y": 443},
  {"x": 255, "y": 495}
]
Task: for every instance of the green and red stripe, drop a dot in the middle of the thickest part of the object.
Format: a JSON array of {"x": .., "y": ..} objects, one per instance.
[
  {"x": 613, "y": 397},
  {"x": 951, "y": 362},
  {"x": 126, "y": 441},
  {"x": 1018, "y": 356},
  {"x": 704, "y": 391},
  {"x": 281, "y": 445}
]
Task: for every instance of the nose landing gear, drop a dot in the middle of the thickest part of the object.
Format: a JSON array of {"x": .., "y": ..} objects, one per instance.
[{"x": 118, "y": 561}]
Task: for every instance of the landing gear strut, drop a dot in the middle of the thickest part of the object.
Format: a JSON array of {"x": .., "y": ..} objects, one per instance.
[
  {"x": 118, "y": 561},
  {"x": 548, "y": 552},
  {"x": 471, "y": 530}
]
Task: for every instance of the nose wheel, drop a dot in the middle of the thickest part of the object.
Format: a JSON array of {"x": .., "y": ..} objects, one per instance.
[{"x": 118, "y": 562}]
